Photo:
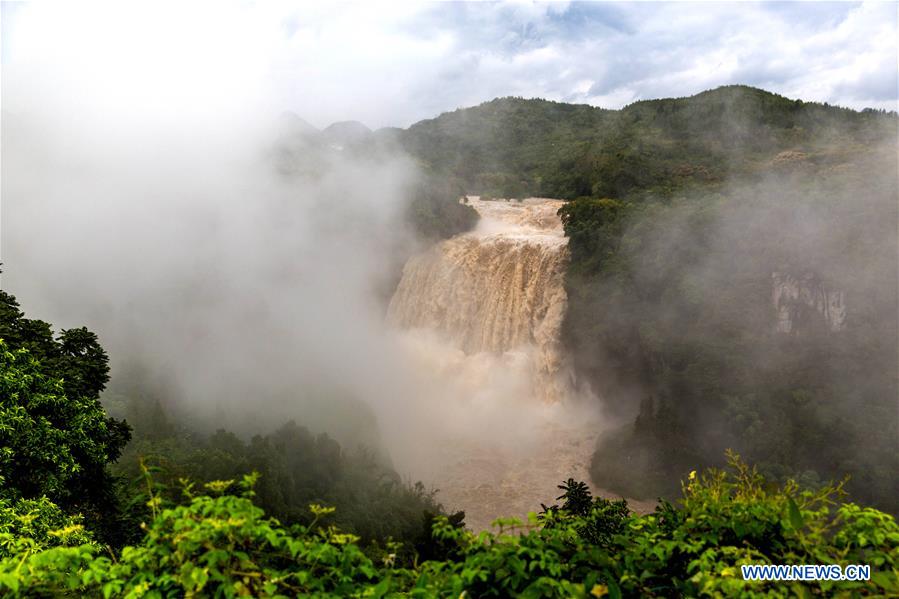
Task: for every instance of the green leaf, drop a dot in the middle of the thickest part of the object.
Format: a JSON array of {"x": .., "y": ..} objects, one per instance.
[
  {"x": 796, "y": 520},
  {"x": 381, "y": 588},
  {"x": 614, "y": 590}
]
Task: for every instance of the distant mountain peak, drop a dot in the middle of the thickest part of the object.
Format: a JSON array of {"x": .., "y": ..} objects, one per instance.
[
  {"x": 292, "y": 123},
  {"x": 346, "y": 128},
  {"x": 344, "y": 133}
]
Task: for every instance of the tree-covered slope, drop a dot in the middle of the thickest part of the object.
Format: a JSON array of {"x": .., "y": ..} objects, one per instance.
[
  {"x": 508, "y": 146},
  {"x": 761, "y": 318},
  {"x": 63, "y": 459},
  {"x": 512, "y": 146},
  {"x": 733, "y": 273}
]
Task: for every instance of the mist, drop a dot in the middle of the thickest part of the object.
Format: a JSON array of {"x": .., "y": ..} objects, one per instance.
[
  {"x": 481, "y": 299},
  {"x": 234, "y": 271},
  {"x": 758, "y": 316},
  {"x": 152, "y": 212},
  {"x": 161, "y": 187}
]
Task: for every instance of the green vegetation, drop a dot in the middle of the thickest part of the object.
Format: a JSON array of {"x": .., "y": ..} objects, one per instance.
[
  {"x": 217, "y": 539},
  {"x": 58, "y": 445},
  {"x": 32, "y": 525},
  {"x": 512, "y": 147},
  {"x": 220, "y": 544},
  {"x": 435, "y": 211},
  {"x": 671, "y": 308},
  {"x": 55, "y": 438},
  {"x": 297, "y": 468},
  {"x": 682, "y": 212}
]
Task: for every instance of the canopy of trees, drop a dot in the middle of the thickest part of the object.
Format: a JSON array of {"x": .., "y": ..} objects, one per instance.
[
  {"x": 56, "y": 439},
  {"x": 512, "y": 147}
]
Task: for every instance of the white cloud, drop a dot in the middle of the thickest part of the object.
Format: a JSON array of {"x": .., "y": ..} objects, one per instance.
[{"x": 398, "y": 63}]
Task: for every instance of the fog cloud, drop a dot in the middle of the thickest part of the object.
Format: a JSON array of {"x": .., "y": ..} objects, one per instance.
[
  {"x": 142, "y": 197},
  {"x": 394, "y": 67}
]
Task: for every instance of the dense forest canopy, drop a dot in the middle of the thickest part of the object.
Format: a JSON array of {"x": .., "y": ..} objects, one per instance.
[{"x": 513, "y": 147}]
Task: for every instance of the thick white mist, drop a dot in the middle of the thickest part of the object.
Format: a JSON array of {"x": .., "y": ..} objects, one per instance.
[{"x": 141, "y": 199}]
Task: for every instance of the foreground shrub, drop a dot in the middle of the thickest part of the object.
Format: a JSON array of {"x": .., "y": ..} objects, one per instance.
[{"x": 221, "y": 544}]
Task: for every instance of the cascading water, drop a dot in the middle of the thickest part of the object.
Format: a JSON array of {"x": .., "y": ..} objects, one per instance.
[
  {"x": 497, "y": 289},
  {"x": 481, "y": 314}
]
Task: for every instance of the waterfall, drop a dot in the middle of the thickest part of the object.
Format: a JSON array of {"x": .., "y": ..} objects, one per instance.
[
  {"x": 497, "y": 290},
  {"x": 481, "y": 316}
]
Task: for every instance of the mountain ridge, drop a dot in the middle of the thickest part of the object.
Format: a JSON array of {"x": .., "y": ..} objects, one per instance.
[{"x": 512, "y": 146}]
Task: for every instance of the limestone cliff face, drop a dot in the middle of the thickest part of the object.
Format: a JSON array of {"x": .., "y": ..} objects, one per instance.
[
  {"x": 497, "y": 289},
  {"x": 801, "y": 300}
]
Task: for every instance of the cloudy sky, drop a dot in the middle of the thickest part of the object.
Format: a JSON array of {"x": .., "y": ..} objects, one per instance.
[{"x": 395, "y": 63}]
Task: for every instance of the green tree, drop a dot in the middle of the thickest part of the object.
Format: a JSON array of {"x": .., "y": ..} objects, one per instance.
[
  {"x": 50, "y": 444},
  {"x": 435, "y": 211},
  {"x": 593, "y": 228},
  {"x": 75, "y": 356},
  {"x": 56, "y": 439}
]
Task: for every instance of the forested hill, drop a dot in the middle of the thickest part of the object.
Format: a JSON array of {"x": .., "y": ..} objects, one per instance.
[
  {"x": 511, "y": 147},
  {"x": 732, "y": 280}
]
